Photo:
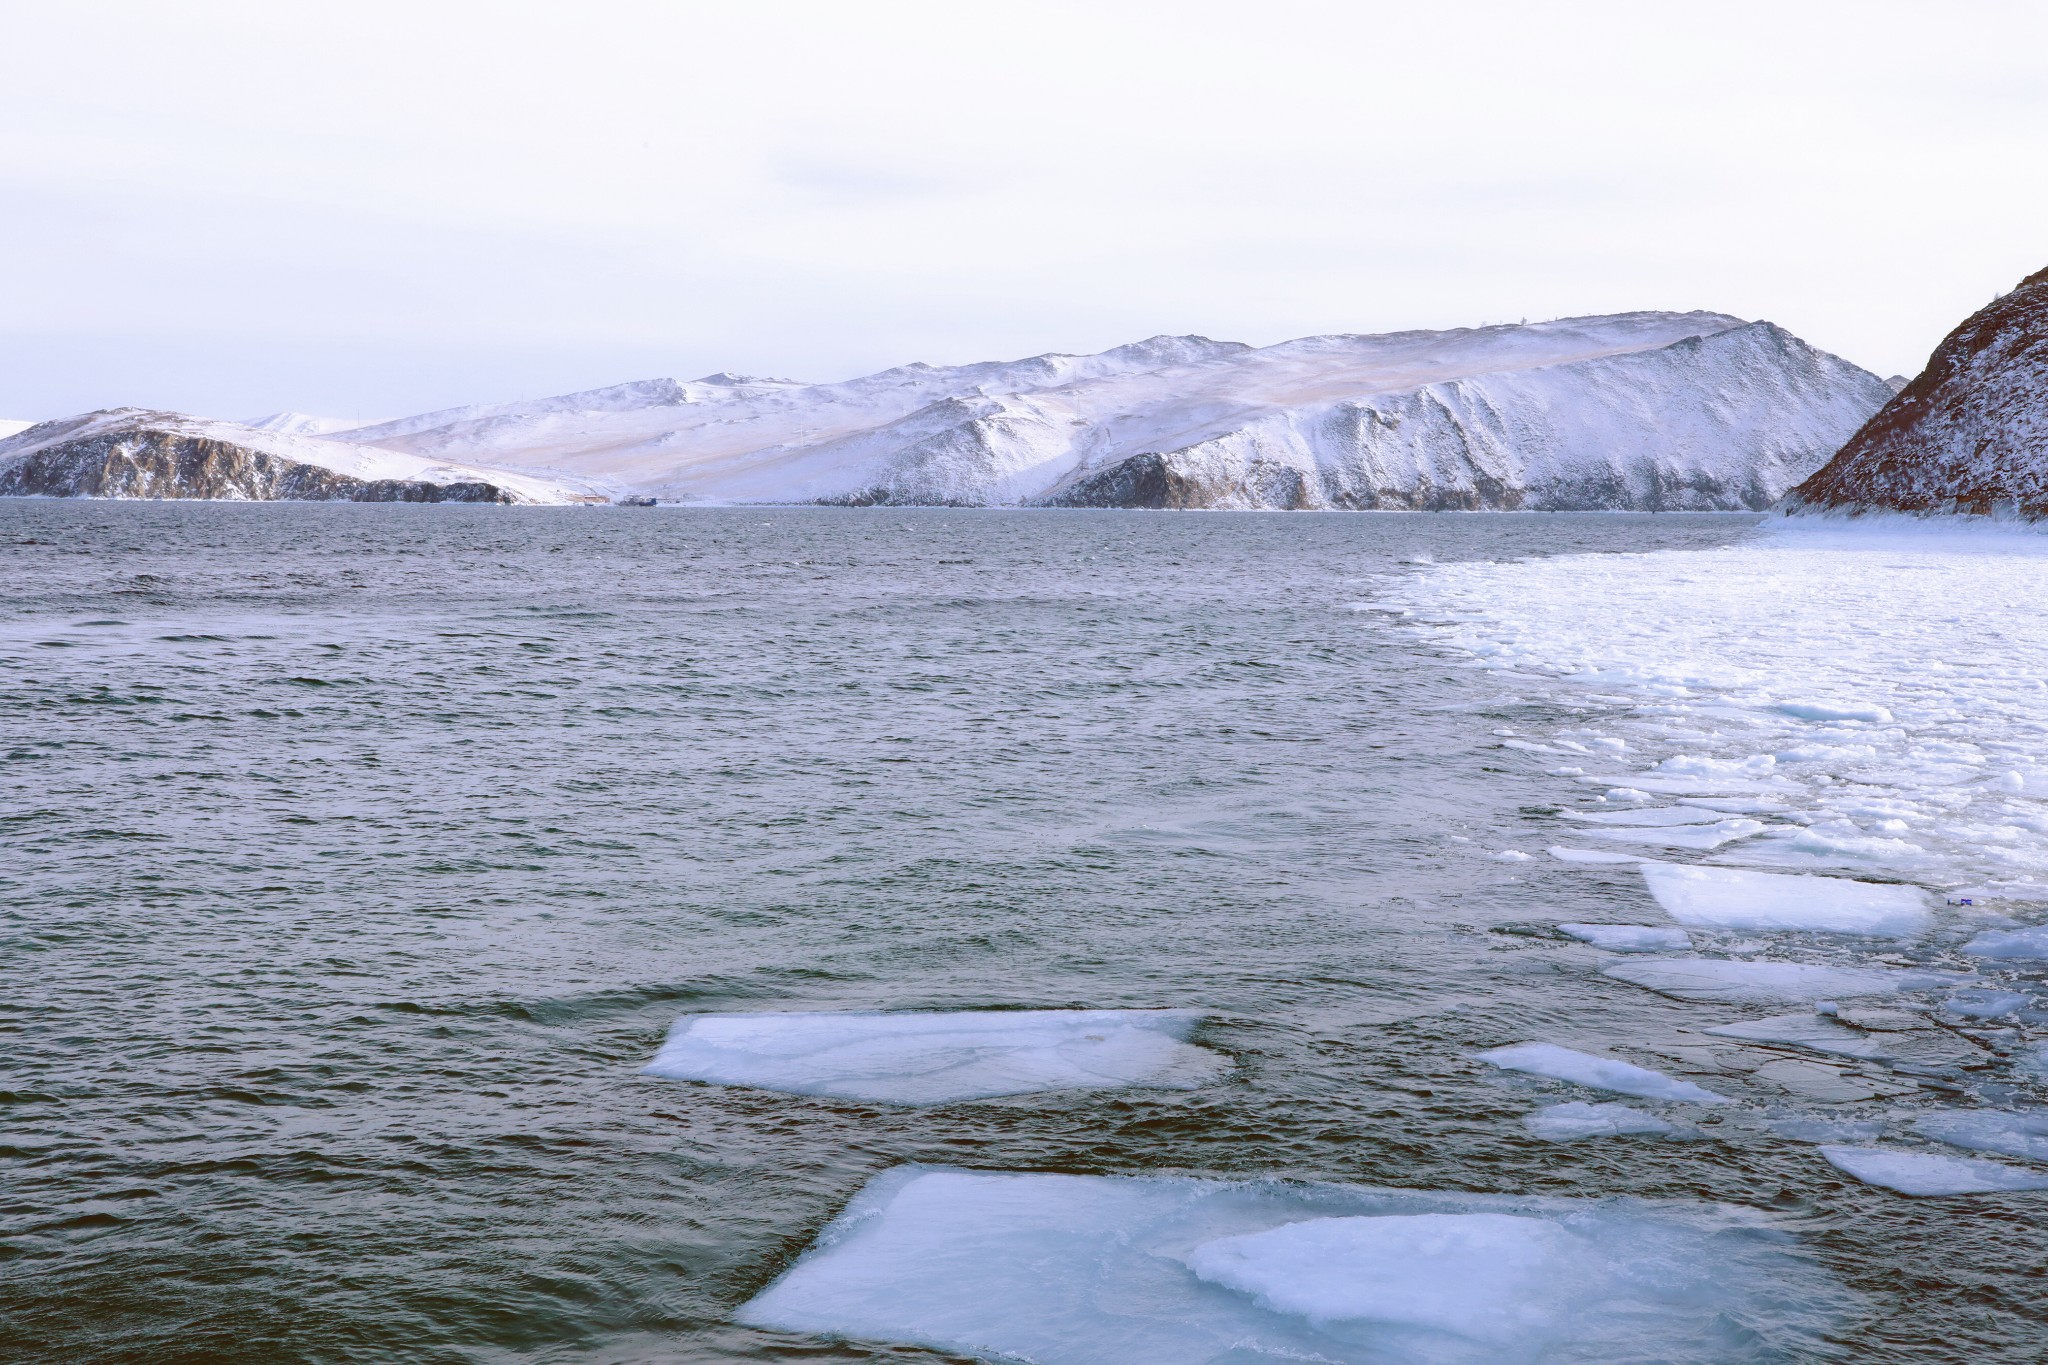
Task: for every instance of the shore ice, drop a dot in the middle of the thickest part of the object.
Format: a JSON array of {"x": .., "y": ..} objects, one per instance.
[
  {"x": 937, "y": 1058},
  {"x": 1929, "y": 1173},
  {"x": 1733, "y": 898},
  {"x": 1597, "y": 1073},
  {"x": 1165, "y": 1270}
]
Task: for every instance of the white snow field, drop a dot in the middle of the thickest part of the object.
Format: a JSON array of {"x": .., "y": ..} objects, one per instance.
[
  {"x": 303, "y": 424},
  {"x": 1630, "y": 938},
  {"x": 1707, "y": 978},
  {"x": 941, "y": 1057},
  {"x": 1989, "y": 1130},
  {"x": 1930, "y": 1173},
  {"x": 1577, "y": 1119},
  {"x": 1695, "y": 410},
  {"x": 1597, "y": 1073},
  {"x": 1106, "y": 1270},
  {"x": 1731, "y": 898},
  {"x": 1885, "y": 680}
]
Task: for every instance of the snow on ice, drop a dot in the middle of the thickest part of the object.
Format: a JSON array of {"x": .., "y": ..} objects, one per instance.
[
  {"x": 1107, "y": 1270},
  {"x": 1597, "y": 1073},
  {"x": 939, "y": 1058}
]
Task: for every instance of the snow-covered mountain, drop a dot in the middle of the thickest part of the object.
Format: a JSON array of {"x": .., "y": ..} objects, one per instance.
[
  {"x": 9, "y": 425},
  {"x": 137, "y": 453},
  {"x": 1970, "y": 434},
  {"x": 302, "y": 424},
  {"x": 1635, "y": 410}
]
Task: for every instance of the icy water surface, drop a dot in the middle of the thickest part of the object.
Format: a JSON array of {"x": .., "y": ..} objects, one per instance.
[{"x": 357, "y": 859}]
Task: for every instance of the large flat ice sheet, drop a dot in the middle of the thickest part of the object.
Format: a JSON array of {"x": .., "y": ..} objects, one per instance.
[
  {"x": 1731, "y": 898},
  {"x": 1884, "y": 686},
  {"x": 1102, "y": 1270},
  {"x": 1597, "y": 1073},
  {"x": 939, "y": 1058},
  {"x": 1708, "y": 978},
  {"x": 1809, "y": 1031},
  {"x": 1700, "y": 837}
]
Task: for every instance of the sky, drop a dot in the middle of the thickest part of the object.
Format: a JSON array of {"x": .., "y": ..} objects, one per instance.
[{"x": 376, "y": 208}]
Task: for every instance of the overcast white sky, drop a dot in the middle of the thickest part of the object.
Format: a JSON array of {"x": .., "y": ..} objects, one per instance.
[{"x": 378, "y": 208}]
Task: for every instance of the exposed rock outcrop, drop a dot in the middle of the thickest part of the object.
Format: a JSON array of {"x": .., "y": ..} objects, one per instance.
[
  {"x": 137, "y": 453},
  {"x": 1969, "y": 435}
]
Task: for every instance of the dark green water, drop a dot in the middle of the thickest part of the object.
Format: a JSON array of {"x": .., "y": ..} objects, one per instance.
[{"x": 356, "y": 858}]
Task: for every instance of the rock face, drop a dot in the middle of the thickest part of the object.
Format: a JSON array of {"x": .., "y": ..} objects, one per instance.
[
  {"x": 1644, "y": 411},
  {"x": 1970, "y": 434},
  {"x": 136, "y": 453}
]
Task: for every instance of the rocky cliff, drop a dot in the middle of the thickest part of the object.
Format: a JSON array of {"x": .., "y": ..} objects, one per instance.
[
  {"x": 1970, "y": 434},
  {"x": 137, "y": 453}
]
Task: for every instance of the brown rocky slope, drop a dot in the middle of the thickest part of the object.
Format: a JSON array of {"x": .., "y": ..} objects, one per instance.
[{"x": 1969, "y": 435}]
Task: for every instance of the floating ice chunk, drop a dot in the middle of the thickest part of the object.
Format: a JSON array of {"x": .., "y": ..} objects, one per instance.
[
  {"x": 1659, "y": 784},
  {"x": 1511, "y": 855},
  {"x": 1989, "y": 1130},
  {"x": 1486, "y": 1276},
  {"x": 2026, "y": 943},
  {"x": 1106, "y": 1270},
  {"x": 1930, "y": 1173},
  {"x": 1630, "y": 938},
  {"x": 1809, "y": 1031},
  {"x": 1738, "y": 805},
  {"x": 1578, "y": 1119},
  {"x": 1730, "y": 898},
  {"x": 1821, "y": 710},
  {"x": 1703, "y": 978},
  {"x": 1688, "y": 836},
  {"x": 1985, "y": 1004},
  {"x": 939, "y": 1058},
  {"x": 1593, "y": 855},
  {"x": 1597, "y": 1073},
  {"x": 1656, "y": 817}
]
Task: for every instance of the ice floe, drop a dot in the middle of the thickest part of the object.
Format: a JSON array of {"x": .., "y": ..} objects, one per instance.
[
  {"x": 1653, "y": 817},
  {"x": 1107, "y": 1270},
  {"x": 1828, "y": 1130},
  {"x": 1732, "y": 898},
  {"x": 1930, "y": 1173},
  {"x": 1810, "y": 1031},
  {"x": 1989, "y": 1130},
  {"x": 1679, "y": 836},
  {"x": 2010, "y": 943},
  {"x": 1578, "y": 1119},
  {"x": 1597, "y": 1073},
  {"x": 1985, "y": 1004},
  {"x": 1706, "y": 978},
  {"x": 1593, "y": 855},
  {"x": 939, "y": 1057},
  {"x": 1630, "y": 938}
]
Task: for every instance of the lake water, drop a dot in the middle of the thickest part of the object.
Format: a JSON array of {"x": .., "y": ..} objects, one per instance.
[{"x": 356, "y": 859}]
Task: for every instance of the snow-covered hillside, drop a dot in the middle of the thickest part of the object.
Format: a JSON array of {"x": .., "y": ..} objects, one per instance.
[
  {"x": 9, "y": 425},
  {"x": 302, "y": 424},
  {"x": 1970, "y": 434},
  {"x": 1636, "y": 410},
  {"x": 136, "y": 453}
]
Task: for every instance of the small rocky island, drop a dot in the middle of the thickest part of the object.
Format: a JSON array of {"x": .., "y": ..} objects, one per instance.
[{"x": 1969, "y": 435}]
